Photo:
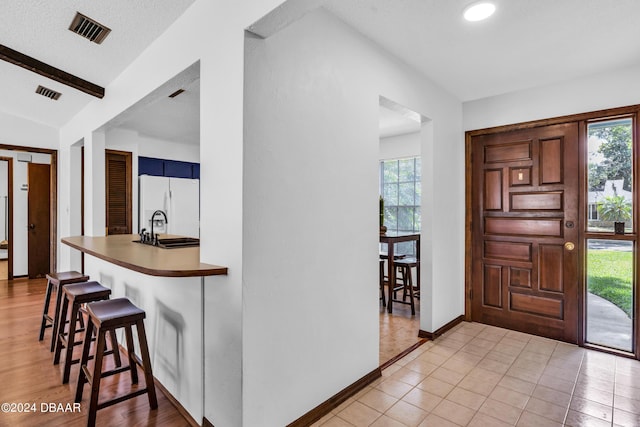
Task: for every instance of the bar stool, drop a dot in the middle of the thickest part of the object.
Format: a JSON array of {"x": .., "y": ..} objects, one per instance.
[
  {"x": 382, "y": 281},
  {"x": 383, "y": 276},
  {"x": 75, "y": 295},
  {"x": 405, "y": 265},
  {"x": 107, "y": 316},
  {"x": 54, "y": 282}
]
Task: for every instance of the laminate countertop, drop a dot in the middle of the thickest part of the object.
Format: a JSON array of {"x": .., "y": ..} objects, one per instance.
[{"x": 154, "y": 261}]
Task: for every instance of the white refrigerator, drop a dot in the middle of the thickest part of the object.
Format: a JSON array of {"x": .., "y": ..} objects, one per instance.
[{"x": 179, "y": 198}]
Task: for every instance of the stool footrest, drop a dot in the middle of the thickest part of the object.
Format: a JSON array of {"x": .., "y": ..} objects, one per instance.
[
  {"x": 74, "y": 361},
  {"x": 121, "y": 398},
  {"x": 116, "y": 371}
]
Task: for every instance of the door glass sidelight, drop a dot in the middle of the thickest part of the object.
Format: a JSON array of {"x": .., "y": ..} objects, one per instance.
[
  {"x": 610, "y": 175},
  {"x": 610, "y": 293},
  {"x": 610, "y": 234}
]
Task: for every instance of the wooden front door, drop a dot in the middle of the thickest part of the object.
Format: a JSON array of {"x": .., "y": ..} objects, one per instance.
[
  {"x": 39, "y": 219},
  {"x": 525, "y": 230}
]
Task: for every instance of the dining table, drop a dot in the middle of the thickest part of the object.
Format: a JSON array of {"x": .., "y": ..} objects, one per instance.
[{"x": 391, "y": 238}]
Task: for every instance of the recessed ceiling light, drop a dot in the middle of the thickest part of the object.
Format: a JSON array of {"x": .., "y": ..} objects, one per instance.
[{"x": 479, "y": 11}]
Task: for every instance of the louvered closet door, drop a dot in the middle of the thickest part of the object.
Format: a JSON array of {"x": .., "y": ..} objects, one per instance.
[
  {"x": 118, "y": 192},
  {"x": 525, "y": 230}
]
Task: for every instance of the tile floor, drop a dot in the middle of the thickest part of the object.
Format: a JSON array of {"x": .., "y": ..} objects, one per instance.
[{"x": 479, "y": 375}]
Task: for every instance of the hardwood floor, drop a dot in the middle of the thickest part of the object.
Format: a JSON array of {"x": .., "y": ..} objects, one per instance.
[
  {"x": 28, "y": 376},
  {"x": 4, "y": 269},
  {"x": 398, "y": 331}
]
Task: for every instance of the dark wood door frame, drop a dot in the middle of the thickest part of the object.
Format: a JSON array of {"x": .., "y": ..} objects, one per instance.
[
  {"x": 9, "y": 218},
  {"x": 582, "y": 119},
  {"x": 53, "y": 246}
]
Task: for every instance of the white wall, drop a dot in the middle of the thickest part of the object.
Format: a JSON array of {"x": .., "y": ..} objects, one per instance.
[
  {"x": 310, "y": 245},
  {"x": 400, "y": 146},
  {"x": 26, "y": 133},
  {"x": 593, "y": 93},
  {"x": 221, "y": 74},
  {"x": 231, "y": 369}
]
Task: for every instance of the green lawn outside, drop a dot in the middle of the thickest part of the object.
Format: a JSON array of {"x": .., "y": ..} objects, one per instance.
[{"x": 610, "y": 276}]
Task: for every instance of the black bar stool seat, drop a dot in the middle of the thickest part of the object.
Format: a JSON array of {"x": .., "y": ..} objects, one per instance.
[
  {"x": 107, "y": 316},
  {"x": 405, "y": 265},
  {"x": 54, "y": 282}
]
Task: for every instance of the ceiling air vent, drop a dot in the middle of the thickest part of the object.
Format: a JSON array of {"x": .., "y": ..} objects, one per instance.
[
  {"x": 88, "y": 28},
  {"x": 52, "y": 94}
]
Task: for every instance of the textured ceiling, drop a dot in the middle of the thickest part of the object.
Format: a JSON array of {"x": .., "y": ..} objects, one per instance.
[
  {"x": 39, "y": 28},
  {"x": 526, "y": 43}
]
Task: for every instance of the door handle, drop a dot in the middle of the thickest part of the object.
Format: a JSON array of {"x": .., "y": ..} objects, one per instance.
[
  {"x": 569, "y": 246},
  {"x": 32, "y": 226}
]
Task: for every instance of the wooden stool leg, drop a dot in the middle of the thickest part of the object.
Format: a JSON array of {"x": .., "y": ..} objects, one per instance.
[
  {"x": 114, "y": 346},
  {"x": 81, "y": 319},
  {"x": 56, "y": 318},
  {"x": 405, "y": 271},
  {"x": 71, "y": 337},
  {"x": 410, "y": 283},
  {"x": 45, "y": 310},
  {"x": 146, "y": 364},
  {"x": 95, "y": 380},
  {"x": 130, "y": 353},
  {"x": 62, "y": 319},
  {"x": 384, "y": 300},
  {"x": 86, "y": 346}
]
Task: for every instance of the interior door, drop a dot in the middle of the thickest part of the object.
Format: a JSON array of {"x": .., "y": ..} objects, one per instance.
[
  {"x": 6, "y": 182},
  {"x": 39, "y": 219},
  {"x": 118, "y": 192},
  {"x": 525, "y": 230}
]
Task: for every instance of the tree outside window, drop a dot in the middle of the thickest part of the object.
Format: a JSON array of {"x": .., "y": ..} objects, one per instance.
[{"x": 401, "y": 189}]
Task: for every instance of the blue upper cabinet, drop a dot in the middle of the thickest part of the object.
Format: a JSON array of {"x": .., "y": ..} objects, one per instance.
[
  {"x": 177, "y": 169},
  {"x": 150, "y": 166},
  {"x": 170, "y": 168}
]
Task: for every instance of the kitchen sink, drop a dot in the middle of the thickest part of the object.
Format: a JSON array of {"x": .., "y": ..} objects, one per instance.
[
  {"x": 173, "y": 242},
  {"x": 178, "y": 242}
]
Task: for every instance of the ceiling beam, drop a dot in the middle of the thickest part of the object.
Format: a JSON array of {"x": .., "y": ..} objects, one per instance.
[{"x": 32, "y": 64}]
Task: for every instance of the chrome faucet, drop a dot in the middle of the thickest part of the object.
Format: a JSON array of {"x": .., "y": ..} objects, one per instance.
[{"x": 154, "y": 238}]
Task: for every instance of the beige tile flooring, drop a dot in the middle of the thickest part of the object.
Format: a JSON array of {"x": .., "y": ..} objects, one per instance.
[{"x": 479, "y": 375}]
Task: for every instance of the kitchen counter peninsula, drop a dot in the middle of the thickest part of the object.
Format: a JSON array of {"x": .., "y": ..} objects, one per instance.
[
  {"x": 123, "y": 251},
  {"x": 169, "y": 285}
]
